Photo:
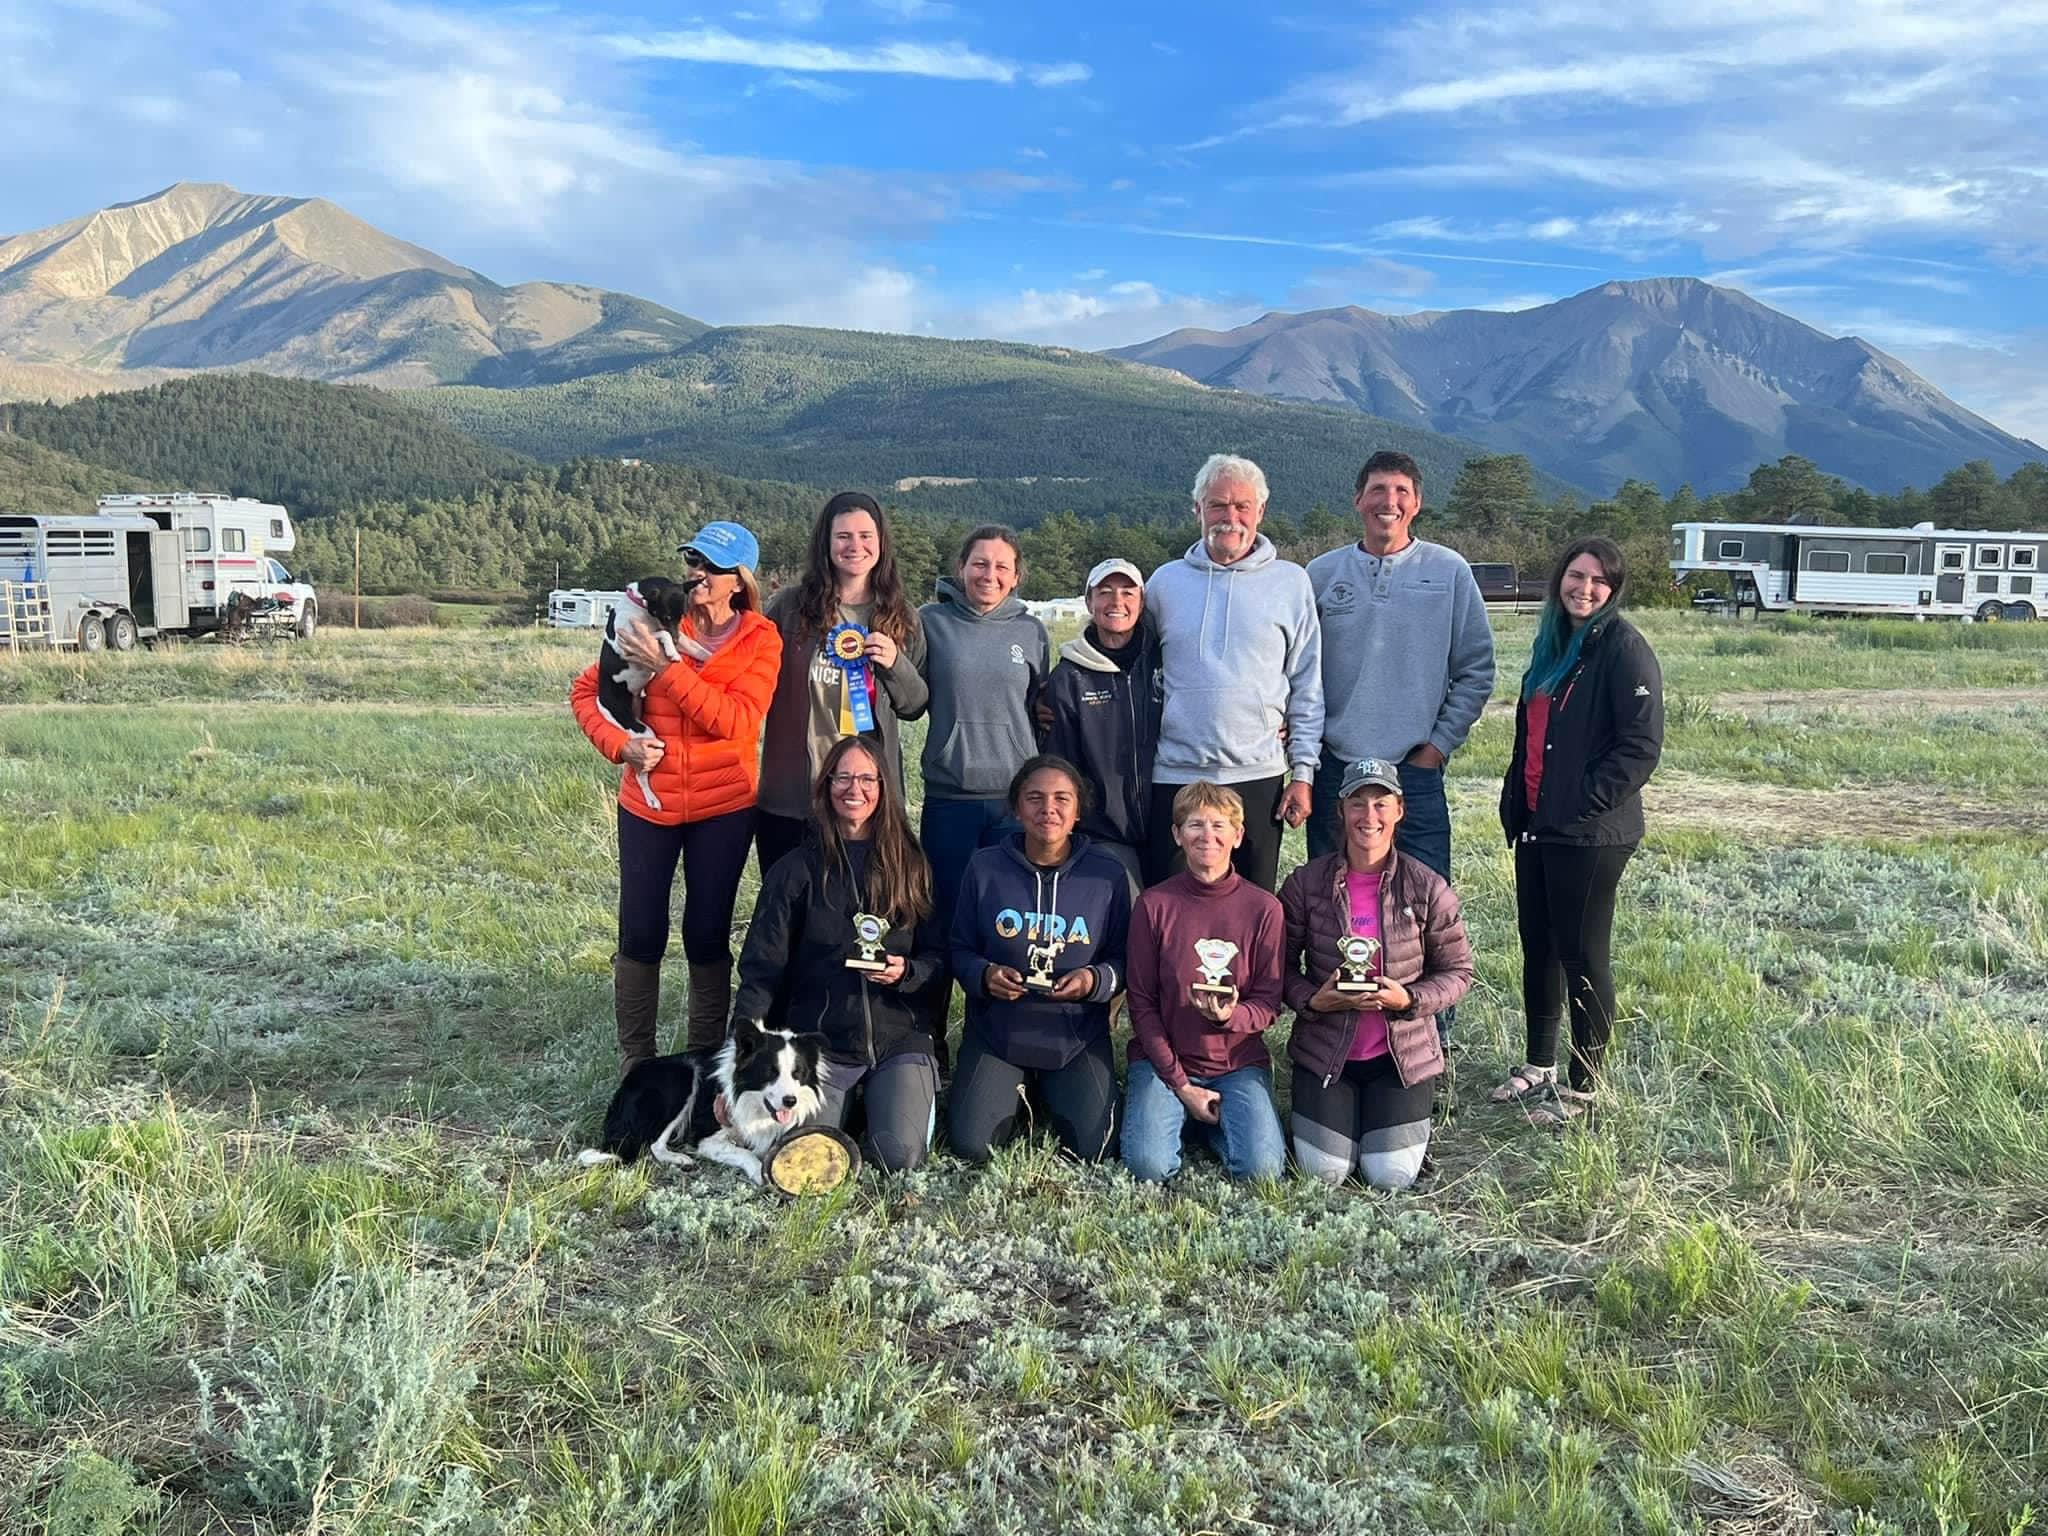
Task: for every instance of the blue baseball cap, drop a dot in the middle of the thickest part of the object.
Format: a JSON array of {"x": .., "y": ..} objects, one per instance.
[{"x": 725, "y": 545}]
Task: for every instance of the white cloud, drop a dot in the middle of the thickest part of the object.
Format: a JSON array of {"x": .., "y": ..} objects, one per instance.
[
  {"x": 1832, "y": 120},
  {"x": 1114, "y": 316},
  {"x": 935, "y": 61},
  {"x": 508, "y": 145}
]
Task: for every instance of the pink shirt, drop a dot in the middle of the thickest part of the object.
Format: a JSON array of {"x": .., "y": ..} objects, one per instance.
[
  {"x": 1538, "y": 715},
  {"x": 1364, "y": 890}
]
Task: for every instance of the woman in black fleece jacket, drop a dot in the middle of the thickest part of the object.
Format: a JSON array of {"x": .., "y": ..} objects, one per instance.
[
  {"x": 858, "y": 857},
  {"x": 1588, "y": 733}
]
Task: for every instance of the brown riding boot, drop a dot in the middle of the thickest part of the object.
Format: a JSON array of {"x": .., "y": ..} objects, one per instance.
[
  {"x": 710, "y": 1003},
  {"x": 636, "y": 1003}
]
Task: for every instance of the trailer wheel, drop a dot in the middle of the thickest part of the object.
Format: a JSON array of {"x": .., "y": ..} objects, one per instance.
[
  {"x": 92, "y": 633},
  {"x": 1990, "y": 613},
  {"x": 309, "y": 619},
  {"x": 121, "y": 632},
  {"x": 2019, "y": 613}
]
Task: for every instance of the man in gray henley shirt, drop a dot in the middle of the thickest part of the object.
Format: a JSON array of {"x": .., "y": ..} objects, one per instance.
[{"x": 1407, "y": 663}]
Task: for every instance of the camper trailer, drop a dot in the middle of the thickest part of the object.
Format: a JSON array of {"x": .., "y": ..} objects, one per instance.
[
  {"x": 146, "y": 566},
  {"x": 574, "y": 608},
  {"x": 1923, "y": 571}
]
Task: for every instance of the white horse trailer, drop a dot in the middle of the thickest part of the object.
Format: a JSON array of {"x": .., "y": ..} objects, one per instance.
[
  {"x": 1922, "y": 571},
  {"x": 574, "y": 608}
]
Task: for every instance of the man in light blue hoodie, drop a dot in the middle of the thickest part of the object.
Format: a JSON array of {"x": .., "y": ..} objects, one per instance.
[{"x": 1241, "y": 650}]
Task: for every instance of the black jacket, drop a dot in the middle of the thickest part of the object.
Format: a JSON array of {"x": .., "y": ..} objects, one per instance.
[
  {"x": 1605, "y": 735},
  {"x": 1105, "y": 721},
  {"x": 793, "y": 969}
]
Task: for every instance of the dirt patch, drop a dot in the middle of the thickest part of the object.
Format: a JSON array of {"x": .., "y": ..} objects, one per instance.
[{"x": 1855, "y": 815}]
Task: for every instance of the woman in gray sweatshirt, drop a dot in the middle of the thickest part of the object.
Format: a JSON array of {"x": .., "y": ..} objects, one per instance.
[{"x": 985, "y": 658}]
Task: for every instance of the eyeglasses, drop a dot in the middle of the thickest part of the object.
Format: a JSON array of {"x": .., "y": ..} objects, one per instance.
[
  {"x": 855, "y": 781},
  {"x": 697, "y": 562}
]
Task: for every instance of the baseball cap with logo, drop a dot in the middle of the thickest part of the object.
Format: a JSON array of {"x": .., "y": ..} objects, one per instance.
[
  {"x": 723, "y": 546},
  {"x": 1369, "y": 771},
  {"x": 1107, "y": 568}
]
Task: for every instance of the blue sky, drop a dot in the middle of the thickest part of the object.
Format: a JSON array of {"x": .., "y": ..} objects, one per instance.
[{"x": 1095, "y": 174}]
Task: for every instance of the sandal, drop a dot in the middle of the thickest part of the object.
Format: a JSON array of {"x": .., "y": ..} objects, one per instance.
[
  {"x": 1562, "y": 1106},
  {"x": 1525, "y": 1083}
]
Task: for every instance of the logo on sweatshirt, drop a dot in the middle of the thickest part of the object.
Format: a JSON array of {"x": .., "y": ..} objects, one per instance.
[
  {"x": 1341, "y": 597},
  {"x": 1039, "y": 927},
  {"x": 1017, "y": 655}
]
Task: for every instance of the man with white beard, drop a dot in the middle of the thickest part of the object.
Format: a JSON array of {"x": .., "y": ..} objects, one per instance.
[{"x": 1241, "y": 650}]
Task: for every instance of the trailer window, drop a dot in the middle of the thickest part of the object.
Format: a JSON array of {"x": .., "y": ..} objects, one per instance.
[
  {"x": 1731, "y": 549},
  {"x": 233, "y": 539},
  {"x": 2022, "y": 586},
  {"x": 1990, "y": 556},
  {"x": 1877, "y": 563},
  {"x": 2023, "y": 556},
  {"x": 1951, "y": 559},
  {"x": 1987, "y": 583},
  {"x": 198, "y": 540},
  {"x": 1827, "y": 560},
  {"x": 277, "y": 527}
]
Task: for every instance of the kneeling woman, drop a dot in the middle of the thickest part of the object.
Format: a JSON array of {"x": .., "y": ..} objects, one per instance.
[
  {"x": 1038, "y": 946},
  {"x": 1365, "y": 1045},
  {"x": 802, "y": 961}
]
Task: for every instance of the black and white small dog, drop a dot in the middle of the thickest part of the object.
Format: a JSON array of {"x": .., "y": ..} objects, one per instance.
[
  {"x": 654, "y": 604},
  {"x": 773, "y": 1082}
]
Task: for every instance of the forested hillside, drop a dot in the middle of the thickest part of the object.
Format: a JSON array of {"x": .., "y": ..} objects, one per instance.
[
  {"x": 851, "y": 408},
  {"x": 314, "y": 447}
]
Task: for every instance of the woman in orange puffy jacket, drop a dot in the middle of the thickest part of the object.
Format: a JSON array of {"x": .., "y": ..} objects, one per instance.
[{"x": 704, "y": 766}]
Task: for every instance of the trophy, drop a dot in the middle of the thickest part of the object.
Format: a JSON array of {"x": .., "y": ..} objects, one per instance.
[
  {"x": 1214, "y": 957},
  {"x": 868, "y": 932},
  {"x": 1038, "y": 959},
  {"x": 1355, "y": 974}
]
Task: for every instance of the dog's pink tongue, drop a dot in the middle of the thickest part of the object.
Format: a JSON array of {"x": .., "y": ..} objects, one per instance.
[{"x": 784, "y": 1116}]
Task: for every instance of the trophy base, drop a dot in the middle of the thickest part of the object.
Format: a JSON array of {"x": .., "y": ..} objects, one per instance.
[
  {"x": 867, "y": 965},
  {"x": 1358, "y": 988},
  {"x": 1212, "y": 988},
  {"x": 1035, "y": 984}
]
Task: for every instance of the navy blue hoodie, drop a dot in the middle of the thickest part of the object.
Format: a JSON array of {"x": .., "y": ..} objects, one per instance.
[{"x": 1007, "y": 905}]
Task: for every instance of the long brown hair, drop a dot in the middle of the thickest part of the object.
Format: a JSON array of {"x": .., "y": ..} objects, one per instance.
[
  {"x": 817, "y": 602},
  {"x": 899, "y": 878}
]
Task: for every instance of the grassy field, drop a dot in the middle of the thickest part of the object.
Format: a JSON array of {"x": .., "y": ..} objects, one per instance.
[{"x": 304, "y": 1009}]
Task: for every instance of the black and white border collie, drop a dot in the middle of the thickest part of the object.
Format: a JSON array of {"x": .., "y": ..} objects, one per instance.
[
  {"x": 773, "y": 1082},
  {"x": 657, "y": 605}
]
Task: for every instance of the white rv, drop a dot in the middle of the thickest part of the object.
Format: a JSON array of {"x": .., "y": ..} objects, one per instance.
[
  {"x": 574, "y": 608},
  {"x": 1922, "y": 571},
  {"x": 145, "y": 566}
]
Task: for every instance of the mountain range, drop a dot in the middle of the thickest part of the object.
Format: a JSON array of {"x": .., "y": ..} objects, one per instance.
[{"x": 1670, "y": 381}]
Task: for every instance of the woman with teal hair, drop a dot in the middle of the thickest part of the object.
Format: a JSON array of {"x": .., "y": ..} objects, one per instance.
[{"x": 1588, "y": 732}]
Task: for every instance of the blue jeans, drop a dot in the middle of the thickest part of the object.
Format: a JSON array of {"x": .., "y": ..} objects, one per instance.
[
  {"x": 1247, "y": 1136},
  {"x": 952, "y": 832},
  {"x": 1423, "y": 835}
]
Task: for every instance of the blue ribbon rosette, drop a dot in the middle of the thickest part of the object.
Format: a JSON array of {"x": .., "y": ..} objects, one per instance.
[{"x": 847, "y": 645}]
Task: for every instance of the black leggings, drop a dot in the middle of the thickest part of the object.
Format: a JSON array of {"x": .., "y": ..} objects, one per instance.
[
  {"x": 1257, "y": 858},
  {"x": 713, "y": 853},
  {"x": 1564, "y": 908},
  {"x": 992, "y": 1101}
]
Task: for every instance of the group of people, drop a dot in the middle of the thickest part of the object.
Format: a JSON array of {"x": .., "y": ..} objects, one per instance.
[{"x": 1110, "y": 826}]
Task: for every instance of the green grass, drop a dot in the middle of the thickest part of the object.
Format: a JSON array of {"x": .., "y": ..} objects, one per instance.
[{"x": 304, "y": 1005}]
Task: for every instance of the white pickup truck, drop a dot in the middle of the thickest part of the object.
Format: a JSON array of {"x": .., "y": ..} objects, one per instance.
[{"x": 147, "y": 566}]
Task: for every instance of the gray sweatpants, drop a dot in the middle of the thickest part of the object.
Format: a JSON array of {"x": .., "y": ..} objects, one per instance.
[{"x": 899, "y": 1101}]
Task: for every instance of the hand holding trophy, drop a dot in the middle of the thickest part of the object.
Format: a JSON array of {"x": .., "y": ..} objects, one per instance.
[
  {"x": 1355, "y": 954},
  {"x": 1215, "y": 995}
]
